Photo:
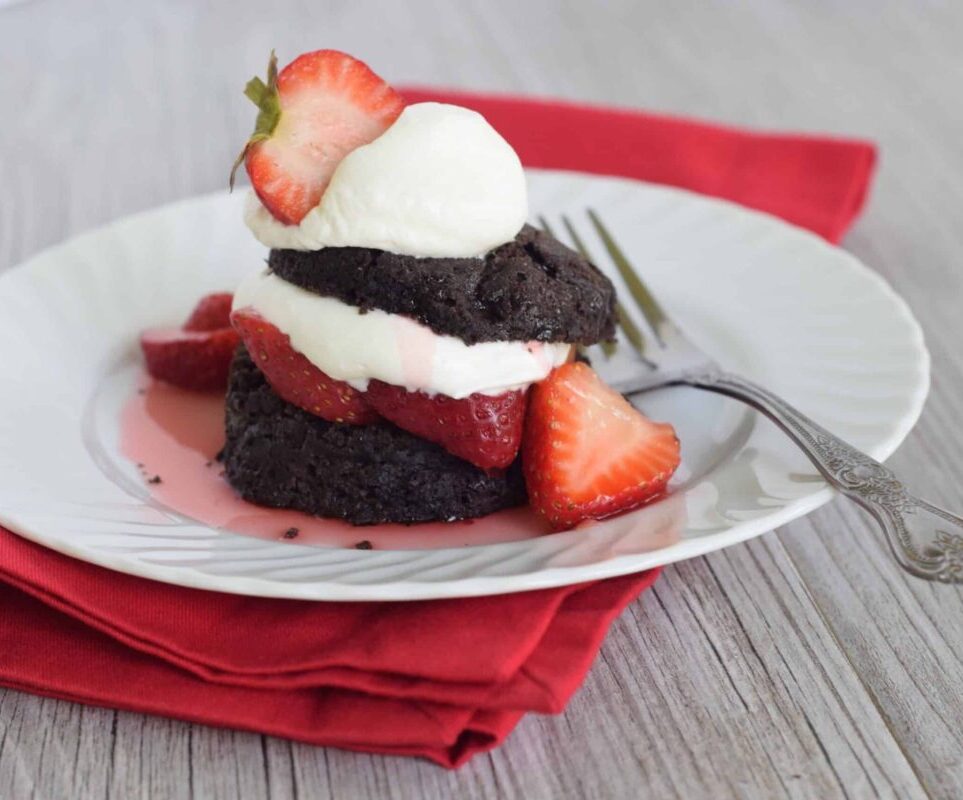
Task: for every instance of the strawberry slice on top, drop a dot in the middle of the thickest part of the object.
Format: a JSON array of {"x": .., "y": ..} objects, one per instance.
[
  {"x": 587, "y": 453},
  {"x": 321, "y": 106},
  {"x": 483, "y": 429},
  {"x": 294, "y": 378}
]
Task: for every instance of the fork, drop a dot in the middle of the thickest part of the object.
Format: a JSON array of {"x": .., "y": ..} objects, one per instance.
[{"x": 926, "y": 540}]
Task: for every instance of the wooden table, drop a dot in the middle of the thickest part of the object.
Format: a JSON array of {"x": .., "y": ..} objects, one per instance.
[{"x": 801, "y": 664}]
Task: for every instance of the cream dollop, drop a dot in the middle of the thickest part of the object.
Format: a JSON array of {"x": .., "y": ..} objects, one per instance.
[
  {"x": 439, "y": 182},
  {"x": 354, "y": 346}
]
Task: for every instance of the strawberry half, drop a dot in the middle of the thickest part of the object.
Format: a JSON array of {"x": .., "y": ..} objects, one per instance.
[
  {"x": 485, "y": 430},
  {"x": 320, "y": 107},
  {"x": 198, "y": 360},
  {"x": 295, "y": 378},
  {"x": 588, "y": 453},
  {"x": 211, "y": 312}
]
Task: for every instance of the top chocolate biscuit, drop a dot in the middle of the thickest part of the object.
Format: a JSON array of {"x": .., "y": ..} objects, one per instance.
[{"x": 533, "y": 288}]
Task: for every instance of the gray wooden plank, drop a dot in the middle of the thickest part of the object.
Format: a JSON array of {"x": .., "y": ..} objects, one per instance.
[
  {"x": 720, "y": 684},
  {"x": 902, "y": 635},
  {"x": 802, "y": 664}
]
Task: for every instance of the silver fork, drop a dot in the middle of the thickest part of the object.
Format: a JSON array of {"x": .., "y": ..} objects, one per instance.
[{"x": 926, "y": 540}]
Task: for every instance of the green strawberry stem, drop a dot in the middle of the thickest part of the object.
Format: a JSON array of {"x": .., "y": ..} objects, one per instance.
[{"x": 265, "y": 96}]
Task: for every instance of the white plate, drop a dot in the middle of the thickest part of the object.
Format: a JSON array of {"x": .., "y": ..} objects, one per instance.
[{"x": 765, "y": 298}]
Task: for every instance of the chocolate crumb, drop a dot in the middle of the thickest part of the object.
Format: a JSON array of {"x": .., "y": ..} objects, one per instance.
[
  {"x": 141, "y": 391},
  {"x": 207, "y": 464},
  {"x": 156, "y": 479},
  {"x": 291, "y": 533},
  {"x": 364, "y": 544}
]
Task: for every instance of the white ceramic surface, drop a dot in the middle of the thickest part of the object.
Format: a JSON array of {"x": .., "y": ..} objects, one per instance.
[{"x": 765, "y": 298}]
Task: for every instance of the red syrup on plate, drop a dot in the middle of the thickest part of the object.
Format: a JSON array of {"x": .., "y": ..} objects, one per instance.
[{"x": 174, "y": 435}]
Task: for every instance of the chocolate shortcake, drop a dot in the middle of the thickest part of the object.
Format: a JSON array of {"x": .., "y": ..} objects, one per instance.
[
  {"x": 531, "y": 290},
  {"x": 390, "y": 345}
]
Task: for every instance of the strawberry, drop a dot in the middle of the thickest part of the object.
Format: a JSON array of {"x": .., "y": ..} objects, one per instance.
[
  {"x": 197, "y": 360},
  {"x": 485, "y": 430},
  {"x": 295, "y": 378},
  {"x": 321, "y": 107},
  {"x": 588, "y": 453},
  {"x": 212, "y": 311}
]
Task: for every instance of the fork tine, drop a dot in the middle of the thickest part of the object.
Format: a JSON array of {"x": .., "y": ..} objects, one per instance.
[
  {"x": 629, "y": 328},
  {"x": 546, "y": 227},
  {"x": 576, "y": 239},
  {"x": 631, "y": 331},
  {"x": 650, "y": 308}
]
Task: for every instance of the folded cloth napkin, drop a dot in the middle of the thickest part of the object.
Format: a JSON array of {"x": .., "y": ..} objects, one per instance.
[{"x": 441, "y": 679}]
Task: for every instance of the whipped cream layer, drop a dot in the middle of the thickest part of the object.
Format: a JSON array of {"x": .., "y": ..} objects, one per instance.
[
  {"x": 354, "y": 346},
  {"x": 439, "y": 182}
]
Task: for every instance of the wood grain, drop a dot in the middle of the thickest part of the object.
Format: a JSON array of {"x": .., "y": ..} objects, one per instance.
[{"x": 802, "y": 664}]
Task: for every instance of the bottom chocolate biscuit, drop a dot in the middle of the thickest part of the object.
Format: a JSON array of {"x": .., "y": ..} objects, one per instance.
[{"x": 280, "y": 456}]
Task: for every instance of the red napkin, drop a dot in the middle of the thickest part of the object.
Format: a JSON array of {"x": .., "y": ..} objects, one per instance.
[
  {"x": 817, "y": 182},
  {"x": 440, "y": 679}
]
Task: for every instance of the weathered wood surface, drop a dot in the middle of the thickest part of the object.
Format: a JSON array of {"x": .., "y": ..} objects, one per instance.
[{"x": 802, "y": 664}]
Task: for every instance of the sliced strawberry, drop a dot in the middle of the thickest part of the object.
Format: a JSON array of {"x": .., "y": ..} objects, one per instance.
[
  {"x": 295, "y": 378},
  {"x": 212, "y": 311},
  {"x": 322, "y": 106},
  {"x": 588, "y": 453},
  {"x": 190, "y": 359},
  {"x": 485, "y": 430}
]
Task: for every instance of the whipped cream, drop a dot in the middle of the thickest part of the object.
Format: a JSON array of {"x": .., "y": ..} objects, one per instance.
[
  {"x": 354, "y": 346},
  {"x": 439, "y": 182}
]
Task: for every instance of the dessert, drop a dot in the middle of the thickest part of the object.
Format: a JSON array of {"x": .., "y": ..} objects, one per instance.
[{"x": 390, "y": 347}]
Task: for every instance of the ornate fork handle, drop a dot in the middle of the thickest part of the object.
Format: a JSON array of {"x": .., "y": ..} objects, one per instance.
[{"x": 925, "y": 539}]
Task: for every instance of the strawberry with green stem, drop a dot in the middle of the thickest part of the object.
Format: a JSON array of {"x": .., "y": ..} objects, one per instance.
[{"x": 319, "y": 108}]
